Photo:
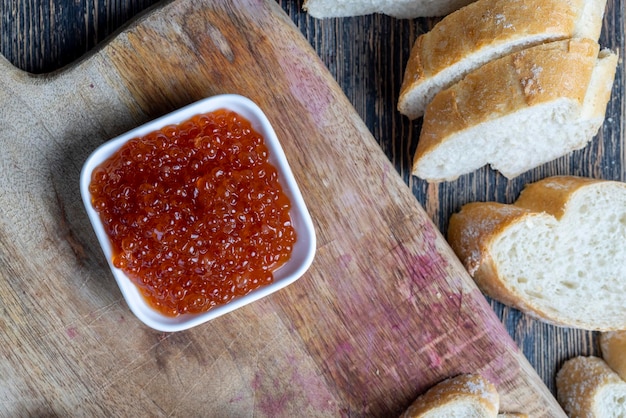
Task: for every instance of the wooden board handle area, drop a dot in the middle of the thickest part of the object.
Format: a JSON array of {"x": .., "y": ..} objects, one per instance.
[{"x": 385, "y": 311}]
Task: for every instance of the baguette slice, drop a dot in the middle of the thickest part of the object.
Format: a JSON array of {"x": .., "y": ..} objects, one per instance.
[
  {"x": 486, "y": 30},
  {"x": 613, "y": 346},
  {"x": 556, "y": 254},
  {"x": 587, "y": 387},
  {"x": 401, "y": 9},
  {"x": 467, "y": 396},
  {"x": 517, "y": 112}
]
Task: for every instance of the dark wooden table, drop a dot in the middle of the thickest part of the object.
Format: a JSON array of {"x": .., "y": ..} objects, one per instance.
[{"x": 366, "y": 55}]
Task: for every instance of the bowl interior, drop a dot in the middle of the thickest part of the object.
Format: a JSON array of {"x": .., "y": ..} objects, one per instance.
[{"x": 304, "y": 248}]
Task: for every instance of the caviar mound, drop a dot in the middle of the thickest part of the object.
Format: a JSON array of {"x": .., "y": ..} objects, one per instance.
[{"x": 195, "y": 213}]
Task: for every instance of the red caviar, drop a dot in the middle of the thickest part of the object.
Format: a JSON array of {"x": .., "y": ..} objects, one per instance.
[{"x": 195, "y": 213}]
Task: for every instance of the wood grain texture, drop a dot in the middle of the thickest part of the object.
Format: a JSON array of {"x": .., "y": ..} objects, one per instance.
[
  {"x": 385, "y": 312},
  {"x": 366, "y": 56}
]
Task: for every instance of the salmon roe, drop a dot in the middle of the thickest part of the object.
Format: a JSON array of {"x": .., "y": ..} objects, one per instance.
[{"x": 195, "y": 213}]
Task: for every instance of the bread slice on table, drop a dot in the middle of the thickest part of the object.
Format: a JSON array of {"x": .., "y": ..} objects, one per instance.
[
  {"x": 613, "y": 346},
  {"x": 486, "y": 30},
  {"x": 517, "y": 112},
  {"x": 557, "y": 254},
  {"x": 587, "y": 387},
  {"x": 467, "y": 396},
  {"x": 402, "y": 9}
]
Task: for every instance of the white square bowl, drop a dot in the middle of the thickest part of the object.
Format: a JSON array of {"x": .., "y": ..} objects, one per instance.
[{"x": 303, "y": 249}]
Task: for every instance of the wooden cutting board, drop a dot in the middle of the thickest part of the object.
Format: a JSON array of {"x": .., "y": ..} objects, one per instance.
[{"x": 385, "y": 311}]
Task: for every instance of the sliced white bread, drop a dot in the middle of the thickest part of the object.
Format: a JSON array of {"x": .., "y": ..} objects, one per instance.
[
  {"x": 401, "y": 9},
  {"x": 557, "y": 254},
  {"x": 587, "y": 387},
  {"x": 486, "y": 30},
  {"x": 517, "y": 112},
  {"x": 613, "y": 346},
  {"x": 463, "y": 396}
]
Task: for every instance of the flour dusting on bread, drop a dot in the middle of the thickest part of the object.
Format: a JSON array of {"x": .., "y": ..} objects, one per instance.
[{"x": 587, "y": 387}]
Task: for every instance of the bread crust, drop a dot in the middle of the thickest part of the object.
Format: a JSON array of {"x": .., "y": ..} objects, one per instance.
[
  {"x": 473, "y": 231},
  {"x": 466, "y": 387},
  {"x": 613, "y": 346},
  {"x": 488, "y": 29},
  {"x": 536, "y": 75},
  {"x": 552, "y": 194},
  {"x": 578, "y": 383}
]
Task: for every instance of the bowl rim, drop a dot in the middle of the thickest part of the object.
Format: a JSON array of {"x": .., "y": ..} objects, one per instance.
[{"x": 304, "y": 249}]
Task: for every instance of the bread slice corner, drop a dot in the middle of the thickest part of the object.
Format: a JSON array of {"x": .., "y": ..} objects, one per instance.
[{"x": 556, "y": 254}]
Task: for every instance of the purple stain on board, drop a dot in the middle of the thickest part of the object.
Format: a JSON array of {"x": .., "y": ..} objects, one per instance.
[
  {"x": 305, "y": 84},
  {"x": 435, "y": 360},
  {"x": 71, "y": 332},
  {"x": 344, "y": 348},
  {"x": 236, "y": 399},
  {"x": 344, "y": 260},
  {"x": 273, "y": 405},
  {"x": 451, "y": 301},
  {"x": 303, "y": 389}
]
